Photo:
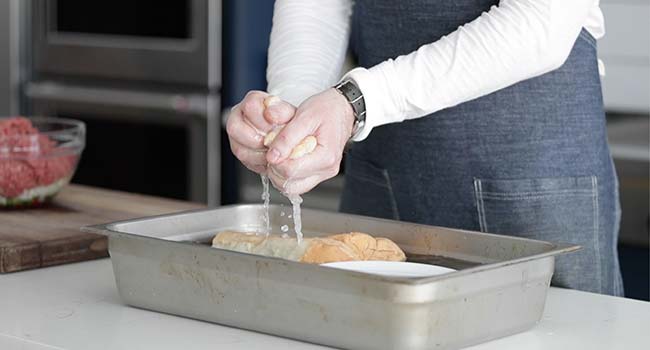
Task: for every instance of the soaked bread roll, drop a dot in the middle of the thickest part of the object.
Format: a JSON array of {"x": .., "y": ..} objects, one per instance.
[
  {"x": 306, "y": 146},
  {"x": 319, "y": 250},
  {"x": 370, "y": 248}
]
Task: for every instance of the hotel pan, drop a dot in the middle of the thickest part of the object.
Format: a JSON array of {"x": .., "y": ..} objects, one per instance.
[{"x": 162, "y": 263}]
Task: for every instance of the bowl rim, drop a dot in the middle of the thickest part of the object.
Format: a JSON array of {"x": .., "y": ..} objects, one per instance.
[{"x": 71, "y": 125}]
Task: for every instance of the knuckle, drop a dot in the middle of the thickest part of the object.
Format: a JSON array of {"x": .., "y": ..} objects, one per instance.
[
  {"x": 336, "y": 167},
  {"x": 252, "y": 94},
  {"x": 282, "y": 142},
  {"x": 235, "y": 126},
  {"x": 240, "y": 153},
  {"x": 330, "y": 160},
  {"x": 335, "y": 171},
  {"x": 230, "y": 126},
  {"x": 247, "y": 107}
]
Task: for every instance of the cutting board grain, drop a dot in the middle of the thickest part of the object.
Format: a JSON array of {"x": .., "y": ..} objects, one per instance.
[{"x": 50, "y": 235}]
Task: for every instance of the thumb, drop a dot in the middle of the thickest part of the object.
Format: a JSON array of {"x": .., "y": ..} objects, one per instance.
[
  {"x": 287, "y": 139},
  {"x": 277, "y": 111}
]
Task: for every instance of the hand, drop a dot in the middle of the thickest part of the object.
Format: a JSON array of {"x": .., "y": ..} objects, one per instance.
[
  {"x": 329, "y": 117},
  {"x": 248, "y": 123}
]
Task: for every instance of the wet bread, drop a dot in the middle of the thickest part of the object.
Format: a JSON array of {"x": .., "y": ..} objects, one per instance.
[
  {"x": 371, "y": 248},
  {"x": 306, "y": 146},
  {"x": 324, "y": 250},
  {"x": 340, "y": 247},
  {"x": 310, "y": 250}
]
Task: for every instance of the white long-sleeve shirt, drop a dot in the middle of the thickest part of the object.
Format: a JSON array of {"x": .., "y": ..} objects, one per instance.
[{"x": 513, "y": 41}]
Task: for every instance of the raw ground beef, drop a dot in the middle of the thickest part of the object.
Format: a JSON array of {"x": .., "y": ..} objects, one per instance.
[{"x": 28, "y": 159}]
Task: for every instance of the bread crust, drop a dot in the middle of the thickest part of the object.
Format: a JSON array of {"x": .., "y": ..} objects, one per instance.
[
  {"x": 371, "y": 248},
  {"x": 325, "y": 250},
  {"x": 339, "y": 247}
]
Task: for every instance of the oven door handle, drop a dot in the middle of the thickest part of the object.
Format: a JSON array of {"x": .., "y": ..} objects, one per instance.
[{"x": 186, "y": 104}]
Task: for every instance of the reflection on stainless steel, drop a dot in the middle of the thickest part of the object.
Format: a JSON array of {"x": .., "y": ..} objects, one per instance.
[
  {"x": 125, "y": 57},
  {"x": 155, "y": 101},
  {"x": 499, "y": 290}
]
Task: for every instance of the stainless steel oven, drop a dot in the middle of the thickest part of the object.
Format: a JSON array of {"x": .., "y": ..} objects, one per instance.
[
  {"x": 144, "y": 74},
  {"x": 129, "y": 40},
  {"x": 152, "y": 142}
]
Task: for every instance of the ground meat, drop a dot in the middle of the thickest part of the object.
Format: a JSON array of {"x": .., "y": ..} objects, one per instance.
[
  {"x": 17, "y": 126},
  {"x": 29, "y": 159},
  {"x": 15, "y": 177}
]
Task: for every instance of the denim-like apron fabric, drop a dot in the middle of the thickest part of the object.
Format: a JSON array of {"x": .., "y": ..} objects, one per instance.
[{"x": 530, "y": 160}]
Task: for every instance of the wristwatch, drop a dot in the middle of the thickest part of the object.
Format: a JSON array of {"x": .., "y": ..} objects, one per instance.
[{"x": 353, "y": 94}]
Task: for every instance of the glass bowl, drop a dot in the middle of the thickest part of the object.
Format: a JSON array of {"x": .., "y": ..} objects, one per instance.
[{"x": 38, "y": 157}]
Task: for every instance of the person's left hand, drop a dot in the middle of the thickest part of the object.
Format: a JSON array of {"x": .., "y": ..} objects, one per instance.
[{"x": 327, "y": 116}]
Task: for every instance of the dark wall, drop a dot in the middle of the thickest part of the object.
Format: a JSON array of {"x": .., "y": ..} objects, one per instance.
[
  {"x": 247, "y": 26},
  {"x": 246, "y": 30}
]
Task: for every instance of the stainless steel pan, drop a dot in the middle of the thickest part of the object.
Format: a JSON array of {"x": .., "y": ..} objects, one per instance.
[{"x": 499, "y": 289}]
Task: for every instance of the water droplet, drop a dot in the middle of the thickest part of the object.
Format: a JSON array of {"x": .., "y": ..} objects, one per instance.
[
  {"x": 289, "y": 216},
  {"x": 281, "y": 213},
  {"x": 297, "y": 222},
  {"x": 266, "y": 198},
  {"x": 284, "y": 228}
]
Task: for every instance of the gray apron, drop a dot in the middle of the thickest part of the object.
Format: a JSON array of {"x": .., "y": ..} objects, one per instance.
[{"x": 530, "y": 160}]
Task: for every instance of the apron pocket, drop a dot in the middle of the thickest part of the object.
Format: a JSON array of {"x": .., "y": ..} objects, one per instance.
[
  {"x": 561, "y": 209},
  {"x": 368, "y": 190}
]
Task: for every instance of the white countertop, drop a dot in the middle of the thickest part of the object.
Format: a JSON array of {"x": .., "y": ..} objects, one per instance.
[{"x": 76, "y": 306}]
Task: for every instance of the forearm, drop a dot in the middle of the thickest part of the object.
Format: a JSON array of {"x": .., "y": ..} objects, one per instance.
[
  {"x": 309, "y": 40},
  {"x": 514, "y": 41}
]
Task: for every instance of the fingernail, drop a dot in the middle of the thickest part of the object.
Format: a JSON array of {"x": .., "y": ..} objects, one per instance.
[
  {"x": 274, "y": 155},
  {"x": 271, "y": 100}
]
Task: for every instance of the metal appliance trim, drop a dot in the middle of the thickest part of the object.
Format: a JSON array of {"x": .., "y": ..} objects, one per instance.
[{"x": 53, "y": 51}]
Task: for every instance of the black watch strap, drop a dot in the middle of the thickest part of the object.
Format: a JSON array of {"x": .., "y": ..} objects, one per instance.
[{"x": 353, "y": 94}]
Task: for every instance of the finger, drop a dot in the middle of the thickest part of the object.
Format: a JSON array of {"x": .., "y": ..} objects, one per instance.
[
  {"x": 247, "y": 155},
  {"x": 270, "y": 136},
  {"x": 295, "y": 186},
  {"x": 321, "y": 160},
  {"x": 242, "y": 133},
  {"x": 277, "y": 111},
  {"x": 301, "y": 186},
  {"x": 290, "y": 136},
  {"x": 276, "y": 179},
  {"x": 253, "y": 107}
]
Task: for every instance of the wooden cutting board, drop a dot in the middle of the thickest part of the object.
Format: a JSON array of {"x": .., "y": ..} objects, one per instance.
[{"x": 32, "y": 238}]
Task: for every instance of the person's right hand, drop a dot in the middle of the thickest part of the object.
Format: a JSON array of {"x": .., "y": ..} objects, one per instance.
[{"x": 248, "y": 123}]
